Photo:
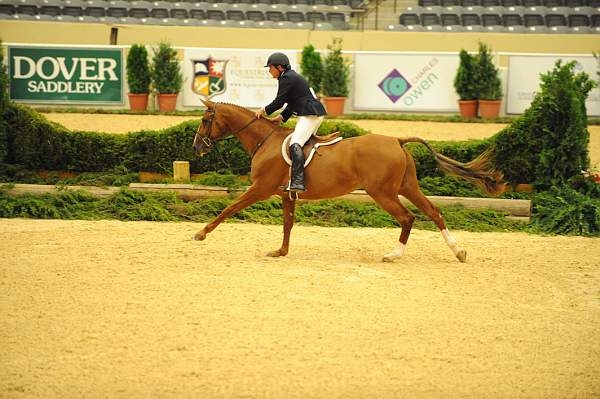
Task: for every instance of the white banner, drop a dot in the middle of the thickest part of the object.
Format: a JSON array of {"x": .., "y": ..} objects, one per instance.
[
  {"x": 524, "y": 79},
  {"x": 405, "y": 82},
  {"x": 235, "y": 76}
]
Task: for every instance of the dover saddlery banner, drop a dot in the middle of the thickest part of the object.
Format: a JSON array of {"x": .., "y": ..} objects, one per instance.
[
  {"x": 405, "y": 82},
  {"x": 229, "y": 75},
  {"x": 65, "y": 74},
  {"x": 524, "y": 79}
]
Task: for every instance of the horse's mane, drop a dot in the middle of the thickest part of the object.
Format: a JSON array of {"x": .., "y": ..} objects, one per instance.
[{"x": 248, "y": 112}]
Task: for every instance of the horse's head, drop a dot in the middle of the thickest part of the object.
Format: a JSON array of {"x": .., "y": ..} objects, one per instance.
[{"x": 209, "y": 130}]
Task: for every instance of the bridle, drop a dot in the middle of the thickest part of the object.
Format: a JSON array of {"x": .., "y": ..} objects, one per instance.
[{"x": 207, "y": 140}]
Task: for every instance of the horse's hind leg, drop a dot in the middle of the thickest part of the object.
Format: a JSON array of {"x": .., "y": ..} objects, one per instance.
[
  {"x": 289, "y": 207},
  {"x": 394, "y": 207},
  {"x": 415, "y": 196}
]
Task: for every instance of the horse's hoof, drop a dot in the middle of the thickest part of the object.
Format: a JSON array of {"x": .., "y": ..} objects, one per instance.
[
  {"x": 387, "y": 258},
  {"x": 462, "y": 256},
  {"x": 201, "y": 235},
  {"x": 276, "y": 254}
]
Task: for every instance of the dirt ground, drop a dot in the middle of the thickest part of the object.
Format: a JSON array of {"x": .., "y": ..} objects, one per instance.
[
  {"x": 138, "y": 309},
  {"x": 426, "y": 130}
]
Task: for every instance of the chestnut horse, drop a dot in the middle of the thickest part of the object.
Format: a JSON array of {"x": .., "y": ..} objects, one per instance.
[{"x": 379, "y": 164}]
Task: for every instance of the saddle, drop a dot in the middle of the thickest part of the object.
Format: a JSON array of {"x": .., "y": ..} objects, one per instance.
[{"x": 310, "y": 147}]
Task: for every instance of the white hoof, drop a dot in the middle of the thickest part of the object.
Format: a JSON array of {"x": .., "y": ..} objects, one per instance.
[{"x": 392, "y": 256}]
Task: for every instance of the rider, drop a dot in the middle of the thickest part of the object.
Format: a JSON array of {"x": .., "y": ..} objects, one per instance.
[{"x": 301, "y": 100}]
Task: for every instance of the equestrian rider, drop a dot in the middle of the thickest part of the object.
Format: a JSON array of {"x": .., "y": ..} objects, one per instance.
[{"x": 300, "y": 98}]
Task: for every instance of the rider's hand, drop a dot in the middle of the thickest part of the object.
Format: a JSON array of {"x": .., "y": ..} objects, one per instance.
[
  {"x": 260, "y": 113},
  {"x": 278, "y": 119}
]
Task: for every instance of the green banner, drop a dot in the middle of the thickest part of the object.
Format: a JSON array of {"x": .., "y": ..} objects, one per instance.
[{"x": 65, "y": 75}]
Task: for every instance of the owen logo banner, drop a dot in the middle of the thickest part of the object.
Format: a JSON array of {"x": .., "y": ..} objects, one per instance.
[{"x": 65, "y": 75}]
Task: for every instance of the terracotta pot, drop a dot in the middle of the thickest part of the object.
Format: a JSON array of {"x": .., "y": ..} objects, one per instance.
[
  {"x": 335, "y": 105},
  {"x": 468, "y": 108},
  {"x": 489, "y": 109},
  {"x": 167, "y": 102},
  {"x": 138, "y": 102}
]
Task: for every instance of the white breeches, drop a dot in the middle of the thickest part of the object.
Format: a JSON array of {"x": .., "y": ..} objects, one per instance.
[{"x": 305, "y": 127}]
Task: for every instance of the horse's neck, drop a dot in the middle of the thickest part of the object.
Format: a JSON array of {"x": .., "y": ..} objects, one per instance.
[{"x": 255, "y": 133}]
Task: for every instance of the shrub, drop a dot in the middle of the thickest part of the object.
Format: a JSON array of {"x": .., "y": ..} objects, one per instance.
[
  {"x": 548, "y": 144},
  {"x": 465, "y": 81},
  {"x": 312, "y": 67},
  {"x": 336, "y": 72},
  {"x": 166, "y": 74},
  {"x": 564, "y": 210},
  {"x": 138, "y": 70},
  {"x": 3, "y": 104},
  {"x": 488, "y": 76}
]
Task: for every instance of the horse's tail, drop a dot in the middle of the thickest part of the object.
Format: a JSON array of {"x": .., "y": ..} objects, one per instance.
[{"x": 478, "y": 171}]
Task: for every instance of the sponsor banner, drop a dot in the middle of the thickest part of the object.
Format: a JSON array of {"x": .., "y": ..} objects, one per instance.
[
  {"x": 524, "y": 79},
  {"x": 229, "y": 75},
  {"x": 405, "y": 82},
  {"x": 66, "y": 75}
]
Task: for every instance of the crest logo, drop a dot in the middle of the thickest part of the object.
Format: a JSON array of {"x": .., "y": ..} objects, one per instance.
[
  {"x": 209, "y": 77},
  {"x": 394, "y": 85}
]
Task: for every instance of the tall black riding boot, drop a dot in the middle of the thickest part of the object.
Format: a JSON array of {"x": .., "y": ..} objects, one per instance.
[{"x": 297, "y": 181}]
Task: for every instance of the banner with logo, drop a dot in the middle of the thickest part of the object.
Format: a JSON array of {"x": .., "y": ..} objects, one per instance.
[
  {"x": 229, "y": 75},
  {"x": 65, "y": 74},
  {"x": 524, "y": 79},
  {"x": 405, "y": 82}
]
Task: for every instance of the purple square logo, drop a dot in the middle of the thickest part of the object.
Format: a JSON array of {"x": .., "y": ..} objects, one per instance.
[{"x": 394, "y": 85}]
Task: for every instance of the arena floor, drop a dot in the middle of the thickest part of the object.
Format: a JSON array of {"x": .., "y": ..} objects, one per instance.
[
  {"x": 137, "y": 309},
  {"x": 427, "y": 130}
]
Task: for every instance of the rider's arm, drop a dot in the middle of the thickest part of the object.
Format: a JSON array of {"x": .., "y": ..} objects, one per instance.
[{"x": 285, "y": 86}]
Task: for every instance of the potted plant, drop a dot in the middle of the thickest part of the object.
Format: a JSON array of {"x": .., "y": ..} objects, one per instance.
[
  {"x": 465, "y": 84},
  {"x": 166, "y": 76},
  {"x": 138, "y": 77},
  {"x": 490, "y": 87},
  {"x": 312, "y": 67},
  {"x": 335, "y": 79}
]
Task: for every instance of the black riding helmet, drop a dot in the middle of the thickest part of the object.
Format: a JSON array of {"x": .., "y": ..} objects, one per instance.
[{"x": 278, "y": 59}]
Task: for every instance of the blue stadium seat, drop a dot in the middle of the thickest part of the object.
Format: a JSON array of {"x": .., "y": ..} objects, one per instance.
[
  {"x": 7, "y": 8},
  {"x": 315, "y": 17},
  {"x": 470, "y": 20},
  {"x": 338, "y": 20},
  {"x": 95, "y": 8},
  {"x": 215, "y": 15},
  {"x": 51, "y": 10},
  {"x": 430, "y": 20},
  {"x": 470, "y": 3},
  {"x": 275, "y": 16},
  {"x": 254, "y": 15},
  {"x": 196, "y": 13},
  {"x": 295, "y": 16},
  {"x": 409, "y": 19},
  {"x": 575, "y": 3},
  {"x": 235, "y": 15},
  {"x": 117, "y": 9}
]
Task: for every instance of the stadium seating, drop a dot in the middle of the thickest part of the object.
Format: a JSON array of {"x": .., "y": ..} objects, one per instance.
[
  {"x": 288, "y": 14},
  {"x": 519, "y": 16}
]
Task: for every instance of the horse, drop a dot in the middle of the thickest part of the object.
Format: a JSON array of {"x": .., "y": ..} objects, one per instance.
[{"x": 379, "y": 164}]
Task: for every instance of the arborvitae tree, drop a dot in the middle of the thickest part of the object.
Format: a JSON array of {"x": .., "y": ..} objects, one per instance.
[
  {"x": 548, "y": 144},
  {"x": 312, "y": 67},
  {"x": 336, "y": 74},
  {"x": 4, "y": 100},
  {"x": 138, "y": 70}
]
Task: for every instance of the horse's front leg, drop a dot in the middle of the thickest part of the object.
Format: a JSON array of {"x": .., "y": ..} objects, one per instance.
[
  {"x": 289, "y": 207},
  {"x": 251, "y": 196}
]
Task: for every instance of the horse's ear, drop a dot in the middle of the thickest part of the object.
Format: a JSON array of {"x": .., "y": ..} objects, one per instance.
[{"x": 208, "y": 103}]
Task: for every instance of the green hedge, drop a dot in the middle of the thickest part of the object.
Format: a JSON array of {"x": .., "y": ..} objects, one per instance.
[{"x": 36, "y": 143}]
